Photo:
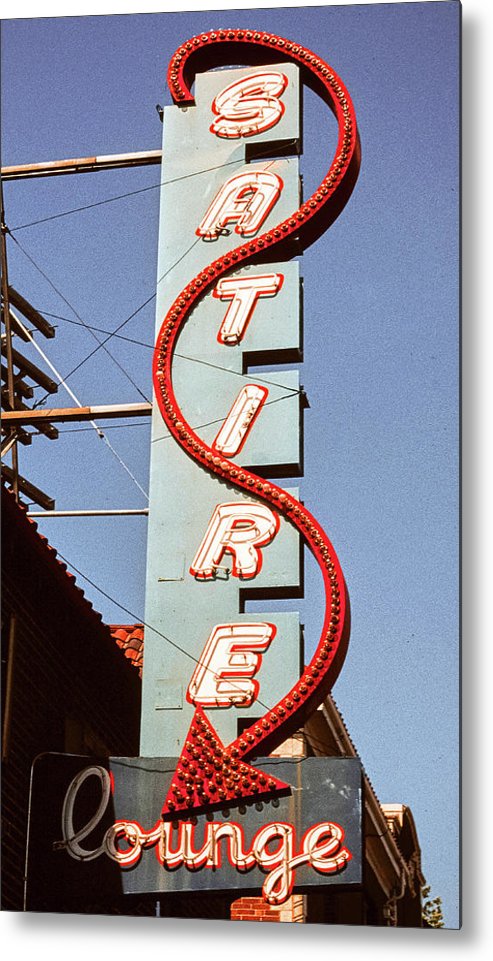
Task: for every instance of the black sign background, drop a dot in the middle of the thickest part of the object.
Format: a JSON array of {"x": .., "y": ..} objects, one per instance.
[{"x": 323, "y": 789}]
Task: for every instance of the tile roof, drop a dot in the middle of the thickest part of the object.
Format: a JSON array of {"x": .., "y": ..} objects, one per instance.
[
  {"x": 130, "y": 638},
  {"x": 127, "y": 636}
]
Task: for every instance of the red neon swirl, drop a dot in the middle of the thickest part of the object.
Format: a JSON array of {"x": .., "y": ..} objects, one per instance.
[{"x": 306, "y": 223}]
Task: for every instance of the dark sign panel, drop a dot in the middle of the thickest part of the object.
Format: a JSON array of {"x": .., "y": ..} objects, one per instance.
[{"x": 96, "y": 833}]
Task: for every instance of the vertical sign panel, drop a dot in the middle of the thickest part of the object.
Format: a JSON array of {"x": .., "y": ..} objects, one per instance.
[{"x": 209, "y": 544}]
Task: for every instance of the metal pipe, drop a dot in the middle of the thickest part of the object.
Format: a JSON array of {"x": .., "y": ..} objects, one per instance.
[
  {"x": 14, "y": 326},
  {"x": 56, "y": 414},
  {"x": 79, "y": 165},
  {"x": 90, "y": 513}
]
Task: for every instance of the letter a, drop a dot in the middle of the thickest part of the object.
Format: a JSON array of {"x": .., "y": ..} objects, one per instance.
[{"x": 246, "y": 198}]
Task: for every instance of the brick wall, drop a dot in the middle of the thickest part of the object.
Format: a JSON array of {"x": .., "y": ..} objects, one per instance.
[
  {"x": 66, "y": 674},
  {"x": 256, "y": 909}
]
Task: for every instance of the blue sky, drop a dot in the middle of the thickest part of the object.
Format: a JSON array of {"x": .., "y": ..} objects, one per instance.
[{"x": 381, "y": 347}]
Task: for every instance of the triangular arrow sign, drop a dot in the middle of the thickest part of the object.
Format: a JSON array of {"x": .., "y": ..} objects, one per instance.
[{"x": 209, "y": 775}]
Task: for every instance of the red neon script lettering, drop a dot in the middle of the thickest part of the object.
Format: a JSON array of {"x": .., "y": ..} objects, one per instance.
[{"x": 321, "y": 847}]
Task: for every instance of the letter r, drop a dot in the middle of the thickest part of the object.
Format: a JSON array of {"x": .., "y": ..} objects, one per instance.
[{"x": 241, "y": 529}]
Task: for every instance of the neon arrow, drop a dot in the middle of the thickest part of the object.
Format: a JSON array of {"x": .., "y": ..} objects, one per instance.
[{"x": 209, "y": 775}]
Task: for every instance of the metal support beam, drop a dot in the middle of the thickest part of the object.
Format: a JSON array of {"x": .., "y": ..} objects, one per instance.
[
  {"x": 31, "y": 314},
  {"x": 55, "y": 414},
  {"x": 29, "y": 490},
  {"x": 81, "y": 165},
  {"x": 47, "y": 429},
  {"x": 16, "y": 436},
  {"x": 20, "y": 387},
  {"x": 93, "y": 513},
  {"x": 34, "y": 372}
]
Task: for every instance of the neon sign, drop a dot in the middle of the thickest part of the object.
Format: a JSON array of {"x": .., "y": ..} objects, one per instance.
[
  {"x": 249, "y": 106},
  {"x": 124, "y": 842},
  {"x": 240, "y": 529},
  {"x": 95, "y": 826},
  {"x": 239, "y": 421},
  {"x": 246, "y": 199},
  {"x": 244, "y": 293},
  {"x": 231, "y": 658},
  {"x": 235, "y": 543}
]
